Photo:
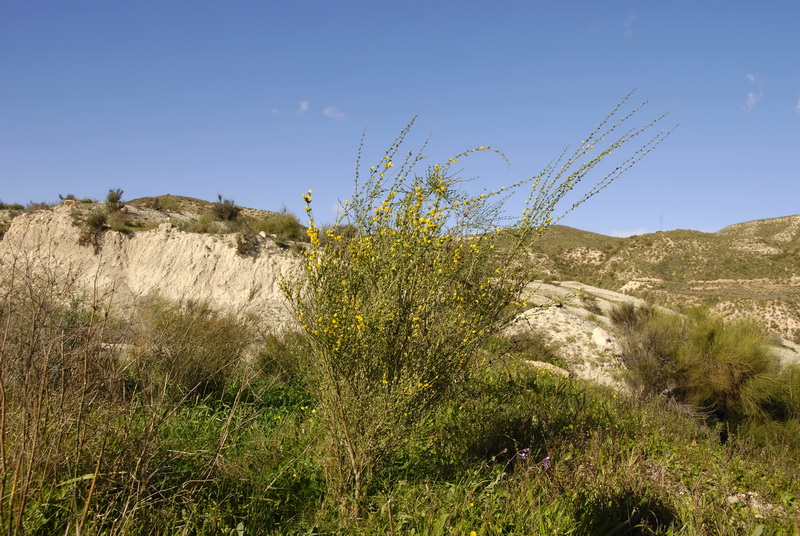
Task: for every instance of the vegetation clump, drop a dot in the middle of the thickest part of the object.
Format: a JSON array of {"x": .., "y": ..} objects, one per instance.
[
  {"x": 225, "y": 209},
  {"x": 397, "y": 309},
  {"x": 114, "y": 200},
  {"x": 723, "y": 372}
]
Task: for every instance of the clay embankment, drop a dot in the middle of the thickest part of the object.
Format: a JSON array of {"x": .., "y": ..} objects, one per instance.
[{"x": 174, "y": 264}]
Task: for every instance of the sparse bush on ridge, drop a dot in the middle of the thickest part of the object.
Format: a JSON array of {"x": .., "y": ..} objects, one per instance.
[
  {"x": 284, "y": 225},
  {"x": 114, "y": 200},
  {"x": 33, "y": 206},
  {"x": 225, "y": 209},
  {"x": 396, "y": 313}
]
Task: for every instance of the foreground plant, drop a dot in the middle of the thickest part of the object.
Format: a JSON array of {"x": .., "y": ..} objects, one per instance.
[{"x": 417, "y": 272}]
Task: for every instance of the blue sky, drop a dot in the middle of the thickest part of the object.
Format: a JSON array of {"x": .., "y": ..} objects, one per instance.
[{"x": 260, "y": 101}]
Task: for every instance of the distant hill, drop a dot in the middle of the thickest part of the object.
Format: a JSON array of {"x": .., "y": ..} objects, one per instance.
[{"x": 749, "y": 268}]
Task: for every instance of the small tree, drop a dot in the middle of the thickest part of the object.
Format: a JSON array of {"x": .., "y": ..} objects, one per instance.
[
  {"x": 114, "y": 200},
  {"x": 396, "y": 307}
]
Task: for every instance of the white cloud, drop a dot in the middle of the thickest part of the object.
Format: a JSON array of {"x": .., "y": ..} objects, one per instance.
[
  {"x": 276, "y": 111},
  {"x": 752, "y": 99},
  {"x": 797, "y": 106},
  {"x": 333, "y": 112},
  {"x": 754, "y": 95},
  {"x": 633, "y": 232},
  {"x": 303, "y": 107},
  {"x": 629, "y": 21}
]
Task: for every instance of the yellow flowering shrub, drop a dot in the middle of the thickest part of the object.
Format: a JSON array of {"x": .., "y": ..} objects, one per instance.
[{"x": 417, "y": 272}]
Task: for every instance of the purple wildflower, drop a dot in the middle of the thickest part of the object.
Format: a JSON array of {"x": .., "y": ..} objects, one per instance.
[{"x": 546, "y": 462}]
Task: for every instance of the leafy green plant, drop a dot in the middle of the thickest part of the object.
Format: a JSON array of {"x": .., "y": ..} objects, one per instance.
[
  {"x": 396, "y": 313},
  {"x": 650, "y": 343},
  {"x": 284, "y": 356}
]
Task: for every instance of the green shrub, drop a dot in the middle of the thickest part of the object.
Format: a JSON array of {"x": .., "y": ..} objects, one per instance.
[
  {"x": 191, "y": 348},
  {"x": 92, "y": 226},
  {"x": 225, "y": 209},
  {"x": 284, "y": 356},
  {"x": 114, "y": 200},
  {"x": 720, "y": 369},
  {"x": 626, "y": 315},
  {"x": 396, "y": 313},
  {"x": 285, "y": 226},
  {"x": 649, "y": 348},
  {"x": 725, "y": 368}
]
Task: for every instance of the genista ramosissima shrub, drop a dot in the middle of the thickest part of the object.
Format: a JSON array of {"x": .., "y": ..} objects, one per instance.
[{"x": 396, "y": 306}]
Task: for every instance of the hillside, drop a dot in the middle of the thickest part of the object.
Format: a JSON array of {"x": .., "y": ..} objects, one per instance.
[
  {"x": 750, "y": 268},
  {"x": 174, "y": 245}
]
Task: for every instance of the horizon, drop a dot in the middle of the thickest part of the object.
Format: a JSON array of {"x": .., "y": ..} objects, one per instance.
[{"x": 261, "y": 102}]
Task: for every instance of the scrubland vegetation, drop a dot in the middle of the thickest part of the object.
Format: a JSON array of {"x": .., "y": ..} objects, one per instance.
[
  {"x": 165, "y": 423},
  {"x": 398, "y": 406}
]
